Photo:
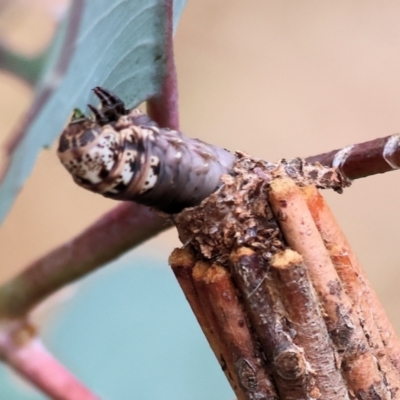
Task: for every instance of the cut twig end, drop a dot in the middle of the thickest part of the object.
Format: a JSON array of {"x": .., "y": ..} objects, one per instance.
[
  {"x": 283, "y": 187},
  {"x": 200, "y": 269},
  {"x": 237, "y": 254},
  {"x": 216, "y": 274},
  {"x": 286, "y": 259},
  {"x": 290, "y": 364},
  {"x": 182, "y": 257}
]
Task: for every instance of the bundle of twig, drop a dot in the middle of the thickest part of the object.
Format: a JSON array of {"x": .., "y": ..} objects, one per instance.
[
  {"x": 271, "y": 278},
  {"x": 278, "y": 292}
]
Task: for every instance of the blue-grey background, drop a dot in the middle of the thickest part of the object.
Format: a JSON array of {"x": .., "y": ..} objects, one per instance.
[{"x": 128, "y": 333}]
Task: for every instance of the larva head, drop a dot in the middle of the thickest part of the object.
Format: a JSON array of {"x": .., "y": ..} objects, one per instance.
[
  {"x": 88, "y": 150},
  {"x": 107, "y": 154}
]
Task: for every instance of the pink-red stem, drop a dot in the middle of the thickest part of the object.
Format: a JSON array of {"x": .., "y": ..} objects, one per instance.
[
  {"x": 119, "y": 230},
  {"x": 38, "y": 366}
]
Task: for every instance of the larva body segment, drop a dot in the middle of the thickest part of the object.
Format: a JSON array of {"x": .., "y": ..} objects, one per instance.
[{"x": 124, "y": 155}]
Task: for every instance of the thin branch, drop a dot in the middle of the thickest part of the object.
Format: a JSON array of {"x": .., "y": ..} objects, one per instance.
[
  {"x": 182, "y": 262},
  {"x": 360, "y": 368},
  {"x": 248, "y": 362},
  {"x": 121, "y": 229},
  {"x": 221, "y": 348},
  {"x": 364, "y": 159},
  {"x": 212, "y": 297},
  {"x": 164, "y": 107},
  {"x": 27, "y": 356},
  {"x": 376, "y": 325},
  {"x": 261, "y": 297},
  {"x": 303, "y": 310}
]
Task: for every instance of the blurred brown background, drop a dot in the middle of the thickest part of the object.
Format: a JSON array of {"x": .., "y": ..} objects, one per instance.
[{"x": 275, "y": 79}]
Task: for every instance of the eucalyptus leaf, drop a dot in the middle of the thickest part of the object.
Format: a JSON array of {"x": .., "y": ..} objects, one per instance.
[{"x": 117, "y": 44}]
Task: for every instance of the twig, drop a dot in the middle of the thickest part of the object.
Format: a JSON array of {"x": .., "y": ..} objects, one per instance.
[
  {"x": 359, "y": 364},
  {"x": 27, "y": 355},
  {"x": 293, "y": 377},
  {"x": 376, "y": 325},
  {"x": 249, "y": 367},
  {"x": 182, "y": 262},
  {"x": 212, "y": 297},
  {"x": 364, "y": 159},
  {"x": 223, "y": 352},
  {"x": 303, "y": 310},
  {"x": 119, "y": 230}
]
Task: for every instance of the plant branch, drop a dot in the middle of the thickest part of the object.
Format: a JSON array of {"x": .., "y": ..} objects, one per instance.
[
  {"x": 163, "y": 108},
  {"x": 376, "y": 325},
  {"x": 301, "y": 304},
  {"x": 363, "y": 159},
  {"x": 25, "y": 353},
  {"x": 293, "y": 375},
  {"x": 297, "y": 281},
  {"x": 360, "y": 367},
  {"x": 182, "y": 262},
  {"x": 235, "y": 333},
  {"x": 119, "y": 230},
  {"x": 224, "y": 354}
]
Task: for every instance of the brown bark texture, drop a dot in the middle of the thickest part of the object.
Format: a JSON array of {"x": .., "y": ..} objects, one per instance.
[{"x": 278, "y": 292}]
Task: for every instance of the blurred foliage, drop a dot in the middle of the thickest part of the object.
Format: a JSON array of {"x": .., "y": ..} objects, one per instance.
[{"x": 128, "y": 333}]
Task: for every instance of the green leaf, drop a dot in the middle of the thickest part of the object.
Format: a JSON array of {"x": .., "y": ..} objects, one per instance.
[
  {"x": 27, "y": 68},
  {"x": 117, "y": 44}
]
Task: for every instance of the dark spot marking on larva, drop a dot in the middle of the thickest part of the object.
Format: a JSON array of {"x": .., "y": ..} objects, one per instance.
[
  {"x": 130, "y": 145},
  {"x": 140, "y": 146},
  {"x": 103, "y": 174},
  {"x": 150, "y": 189},
  {"x": 121, "y": 187},
  {"x": 156, "y": 169},
  {"x": 63, "y": 144},
  {"x": 328, "y": 175},
  {"x": 87, "y": 137},
  {"x": 134, "y": 165},
  {"x": 313, "y": 174},
  {"x": 83, "y": 181}
]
